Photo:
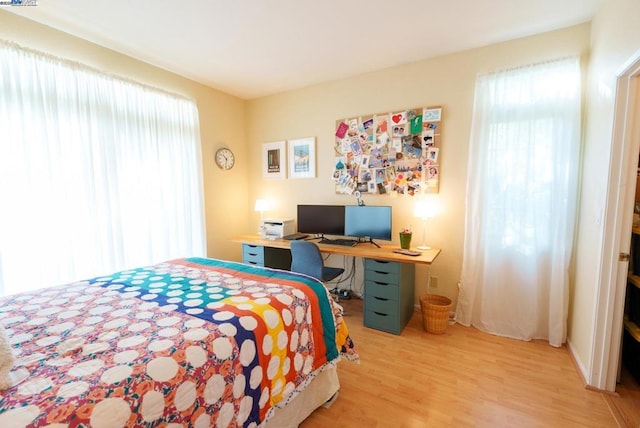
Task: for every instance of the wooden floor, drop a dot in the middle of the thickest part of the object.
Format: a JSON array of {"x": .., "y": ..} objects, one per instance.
[
  {"x": 625, "y": 405},
  {"x": 462, "y": 378}
]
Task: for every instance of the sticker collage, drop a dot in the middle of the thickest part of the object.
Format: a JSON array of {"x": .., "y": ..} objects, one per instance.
[{"x": 389, "y": 153}]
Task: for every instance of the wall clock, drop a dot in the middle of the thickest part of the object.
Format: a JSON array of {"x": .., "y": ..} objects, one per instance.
[{"x": 225, "y": 159}]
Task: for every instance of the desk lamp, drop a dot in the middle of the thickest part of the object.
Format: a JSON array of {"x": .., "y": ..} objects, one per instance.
[
  {"x": 426, "y": 207},
  {"x": 262, "y": 205}
]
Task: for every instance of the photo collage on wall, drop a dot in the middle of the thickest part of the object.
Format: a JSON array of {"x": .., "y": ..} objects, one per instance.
[{"x": 389, "y": 153}]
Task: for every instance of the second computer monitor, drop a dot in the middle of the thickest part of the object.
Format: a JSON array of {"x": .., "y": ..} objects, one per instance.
[{"x": 372, "y": 222}]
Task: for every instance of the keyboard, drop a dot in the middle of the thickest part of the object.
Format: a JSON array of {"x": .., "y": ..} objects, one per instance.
[
  {"x": 296, "y": 236},
  {"x": 339, "y": 241}
]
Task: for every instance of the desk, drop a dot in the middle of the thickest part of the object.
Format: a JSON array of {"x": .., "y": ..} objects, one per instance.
[
  {"x": 389, "y": 278},
  {"x": 363, "y": 250}
]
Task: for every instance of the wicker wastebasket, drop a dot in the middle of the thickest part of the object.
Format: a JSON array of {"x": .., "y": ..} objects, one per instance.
[{"x": 435, "y": 313}]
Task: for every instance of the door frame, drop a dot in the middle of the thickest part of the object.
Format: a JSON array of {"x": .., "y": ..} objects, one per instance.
[{"x": 618, "y": 220}]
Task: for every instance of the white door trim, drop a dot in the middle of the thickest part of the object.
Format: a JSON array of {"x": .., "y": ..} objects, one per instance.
[{"x": 618, "y": 220}]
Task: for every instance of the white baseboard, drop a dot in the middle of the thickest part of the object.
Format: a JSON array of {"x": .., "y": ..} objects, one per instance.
[{"x": 582, "y": 371}]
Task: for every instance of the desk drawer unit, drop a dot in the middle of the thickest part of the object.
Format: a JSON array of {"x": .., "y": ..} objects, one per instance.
[
  {"x": 388, "y": 294},
  {"x": 253, "y": 254}
]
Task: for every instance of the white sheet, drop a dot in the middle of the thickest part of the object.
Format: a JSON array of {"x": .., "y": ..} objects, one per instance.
[{"x": 323, "y": 387}]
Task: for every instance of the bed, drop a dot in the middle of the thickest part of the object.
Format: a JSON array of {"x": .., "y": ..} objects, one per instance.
[{"x": 189, "y": 342}]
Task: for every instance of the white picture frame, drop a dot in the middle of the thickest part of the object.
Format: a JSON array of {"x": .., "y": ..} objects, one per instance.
[
  {"x": 274, "y": 160},
  {"x": 302, "y": 157}
]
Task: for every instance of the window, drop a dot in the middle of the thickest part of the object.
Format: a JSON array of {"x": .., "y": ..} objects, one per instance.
[
  {"x": 97, "y": 173},
  {"x": 521, "y": 201}
]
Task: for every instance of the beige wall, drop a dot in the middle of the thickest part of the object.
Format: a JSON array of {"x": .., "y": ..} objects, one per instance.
[
  {"x": 614, "y": 40},
  {"x": 222, "y": 122},
  {"x": 447, "y": 81}
]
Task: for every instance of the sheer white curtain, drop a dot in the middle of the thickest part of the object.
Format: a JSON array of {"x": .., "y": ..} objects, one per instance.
[
  {"x": 521, "y": 201},
  {"x": 97, "y": 173}
]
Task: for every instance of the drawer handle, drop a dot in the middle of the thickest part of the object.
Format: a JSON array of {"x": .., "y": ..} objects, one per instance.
[
  {"x": 381, "y": 272},
  {"x": 251, "y": 263},
  {"x": 380, "y": 298},
  {"x": 380, "y": 313},
  {"x": 253, "y": 254},
  {"x": 382, "y": 261},
  {"x": 381, "y": 283}
]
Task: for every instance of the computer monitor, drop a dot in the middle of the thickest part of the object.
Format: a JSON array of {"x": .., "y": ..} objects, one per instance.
[
  {"x": 321, "y": 219},
  {"x": 368, "y": 222}
]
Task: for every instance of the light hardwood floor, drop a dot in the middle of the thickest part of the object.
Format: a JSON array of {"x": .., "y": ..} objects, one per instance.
[
  {"x": 625, "y": 405},
  {"x": 462, "y": 378}
]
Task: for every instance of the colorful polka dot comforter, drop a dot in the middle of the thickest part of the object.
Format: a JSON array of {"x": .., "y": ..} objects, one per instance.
[{"x": 191, "y": 342}]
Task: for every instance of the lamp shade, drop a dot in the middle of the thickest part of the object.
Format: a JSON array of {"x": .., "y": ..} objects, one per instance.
[
  {"x": 261, "y": 205},
  {"x": 420, "y": 210},
  {"x": 426, "y": 207}
]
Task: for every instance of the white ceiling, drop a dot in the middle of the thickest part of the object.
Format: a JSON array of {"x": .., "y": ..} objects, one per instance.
[{"x": 252, "y": 48}]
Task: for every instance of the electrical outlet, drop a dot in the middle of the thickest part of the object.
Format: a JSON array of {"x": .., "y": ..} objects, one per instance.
[{"x": 433, "y": 282}]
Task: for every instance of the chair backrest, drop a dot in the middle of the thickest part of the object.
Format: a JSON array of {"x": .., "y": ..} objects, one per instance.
[{"x": 306, "y": 258}]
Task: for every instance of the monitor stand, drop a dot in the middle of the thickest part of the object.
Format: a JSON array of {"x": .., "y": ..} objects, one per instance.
[{"x": 367, "y": 240}]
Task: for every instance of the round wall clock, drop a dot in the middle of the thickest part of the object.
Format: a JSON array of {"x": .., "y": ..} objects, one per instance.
[{"x": 225, "y": 159}]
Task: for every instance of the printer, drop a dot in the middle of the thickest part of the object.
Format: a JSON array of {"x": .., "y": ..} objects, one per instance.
[{"x": 274, "y": 229}]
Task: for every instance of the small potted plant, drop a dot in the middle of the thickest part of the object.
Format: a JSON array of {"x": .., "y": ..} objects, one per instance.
[{"x": 405, "y": 238}]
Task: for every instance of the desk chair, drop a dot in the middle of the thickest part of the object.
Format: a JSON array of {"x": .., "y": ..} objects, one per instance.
[{"x": 306, "y": 258}]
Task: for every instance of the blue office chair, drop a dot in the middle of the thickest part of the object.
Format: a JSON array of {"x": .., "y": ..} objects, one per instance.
[{"x": 306, "y": 258}]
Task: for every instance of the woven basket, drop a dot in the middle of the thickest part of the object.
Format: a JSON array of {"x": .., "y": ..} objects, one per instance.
[{"x": 435, "y": 313}]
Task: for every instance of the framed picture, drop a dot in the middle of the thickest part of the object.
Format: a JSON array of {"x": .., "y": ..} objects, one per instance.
[
  {"x": 274, "y": 163},
  {"x": 302, "y": 158}
]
